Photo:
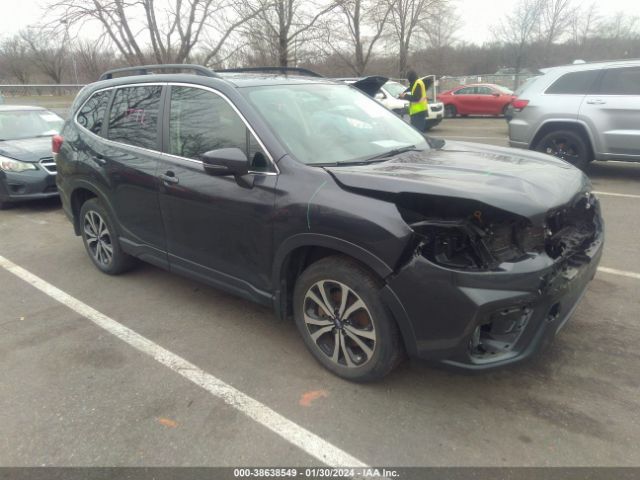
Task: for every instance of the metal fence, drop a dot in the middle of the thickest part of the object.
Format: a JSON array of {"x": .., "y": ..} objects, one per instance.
[{"x": 54, "y": 90}]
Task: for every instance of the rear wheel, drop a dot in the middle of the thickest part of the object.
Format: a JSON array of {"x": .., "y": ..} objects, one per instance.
[
  {"x": 343, "y": 322},
  {"x": 4, "y": 205},
  {"x": 567, "y": 145},
  {"x": 450, "y": 111},
  {"x": 100, "y": 239}
]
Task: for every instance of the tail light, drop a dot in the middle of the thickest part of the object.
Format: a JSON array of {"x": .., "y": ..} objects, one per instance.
[
  {"x": 518, "y": 104},
  {"x": 56, "y": 143}
]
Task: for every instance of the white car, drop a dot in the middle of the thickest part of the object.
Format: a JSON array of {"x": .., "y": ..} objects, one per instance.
[{"x": 388, "y": 96}]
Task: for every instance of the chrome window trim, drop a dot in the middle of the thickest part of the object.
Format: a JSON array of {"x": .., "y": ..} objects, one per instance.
[{"x": 169, "y": 155}]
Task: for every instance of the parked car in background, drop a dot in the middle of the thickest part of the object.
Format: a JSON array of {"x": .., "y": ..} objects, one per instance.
[
  {"x": 304, "y": 194},
  {"x": 389, "y": 92},
  {"x": 581, "y": 113},
  {"x": 476, "y": 99},
  {"x": 27, "y": 168}
]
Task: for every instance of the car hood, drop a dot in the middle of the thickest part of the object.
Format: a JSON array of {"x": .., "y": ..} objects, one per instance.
[
  {"x": 525, "y": 183},
  {"x": 26, "y": 149}
]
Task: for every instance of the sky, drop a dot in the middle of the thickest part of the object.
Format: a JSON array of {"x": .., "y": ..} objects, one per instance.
[{"x": 477, "y": 15}]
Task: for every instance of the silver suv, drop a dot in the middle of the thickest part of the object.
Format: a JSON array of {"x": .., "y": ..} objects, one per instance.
[{"x": 581, "y": 113}]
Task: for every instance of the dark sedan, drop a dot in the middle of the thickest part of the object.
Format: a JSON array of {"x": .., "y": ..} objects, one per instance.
[{"x": 27, "y": 168}]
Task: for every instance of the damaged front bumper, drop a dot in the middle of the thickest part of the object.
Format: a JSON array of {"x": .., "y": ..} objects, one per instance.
[{"x": 484, "y": 319}]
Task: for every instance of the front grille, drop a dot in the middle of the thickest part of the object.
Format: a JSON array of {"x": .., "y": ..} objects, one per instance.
[
  {"x": 572, "y": 229},
  {"x": 49, "y": 164}
]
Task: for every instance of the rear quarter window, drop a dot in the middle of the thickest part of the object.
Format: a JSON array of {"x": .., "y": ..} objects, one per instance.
[
  {"x": 574, "y": 83},
  {"x": 91, "y": 115}
]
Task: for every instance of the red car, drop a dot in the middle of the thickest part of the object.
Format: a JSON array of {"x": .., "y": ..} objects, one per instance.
[{"x": 476, "y": 99}]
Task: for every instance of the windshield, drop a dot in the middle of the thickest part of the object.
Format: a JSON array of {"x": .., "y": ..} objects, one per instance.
[
  {"x": 394, "y": 88},
  {"x": 18, "y": 124},
  {"x": 329, "y": 124}
]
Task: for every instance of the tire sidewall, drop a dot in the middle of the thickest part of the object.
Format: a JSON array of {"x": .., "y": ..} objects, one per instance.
[
  {"x": 119, "y": 257},
  {"x": 386, "y": 354},
  {"x": 583, "y": 158}
]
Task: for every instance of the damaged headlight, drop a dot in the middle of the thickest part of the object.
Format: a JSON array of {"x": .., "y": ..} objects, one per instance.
[{"x": 474, "y": 245}]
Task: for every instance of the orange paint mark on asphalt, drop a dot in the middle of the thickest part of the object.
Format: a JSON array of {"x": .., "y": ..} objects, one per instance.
[
  {"x": 308, "y": 397},
  {"x": 167, "y": 422}
]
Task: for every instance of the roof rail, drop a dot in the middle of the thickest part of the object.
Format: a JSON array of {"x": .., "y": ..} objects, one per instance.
[
  {"x": 145, "y": 70},
  {"x": 285, "y": 70}
]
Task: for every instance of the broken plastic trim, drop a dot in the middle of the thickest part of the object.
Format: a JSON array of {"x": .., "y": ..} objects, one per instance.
[{"x": 461, "y": 244}]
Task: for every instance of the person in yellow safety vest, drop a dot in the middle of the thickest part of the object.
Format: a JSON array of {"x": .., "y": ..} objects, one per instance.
[{"x": 417, "y": 96}]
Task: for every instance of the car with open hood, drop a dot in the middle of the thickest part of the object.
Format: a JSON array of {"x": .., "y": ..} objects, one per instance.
[
  {"x": 27, "y": 169},
  {"x": 306, "y": 195}
]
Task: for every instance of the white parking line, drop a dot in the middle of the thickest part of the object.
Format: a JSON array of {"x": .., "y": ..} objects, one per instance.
[
  {"x": 307, "y": 441},
  {"x": 622, "y": 273},
  {"x": 612, "y": 194}
]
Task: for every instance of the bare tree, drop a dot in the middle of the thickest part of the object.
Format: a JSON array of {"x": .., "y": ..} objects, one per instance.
[
  {"x": 282, "y": 23},
  {"x": 48, "y": 52},
  {"x": 172, "y": 30},
  {"x": 16, "y": 58},
  {"x": 584, "y": 22},
  {"x": 620, "y": 26},
  {"x": 517, "y": 30},
  {"x": 93, "y": 58},
  {"x": 363, "y": 23},
  {"x": 441, "y": 26},
  {"x": 406, "y": 18},
  {"x": 555, "y": 19}
]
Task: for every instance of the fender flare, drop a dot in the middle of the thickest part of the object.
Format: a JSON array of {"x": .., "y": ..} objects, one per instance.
[
  {"x": 83, "y": 184},
  {"x": 571, "y": 121},
  {"x": 326, "y": 241},
  {"x": 364, "y": 256}
]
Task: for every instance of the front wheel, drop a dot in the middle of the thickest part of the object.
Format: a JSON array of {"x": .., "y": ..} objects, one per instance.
[
  {"x": 567, "y": 145},
  {"x": 450, "y": 111},
  {"x": 343, "y": 322},
  {"x": 100, "y": 239}
]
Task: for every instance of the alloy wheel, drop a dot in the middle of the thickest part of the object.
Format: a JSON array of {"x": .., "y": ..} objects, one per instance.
[
  {"x": 98, "y": 238},
  {"x": 562, "y": 148},
  {"x": 339, "y": 323}
]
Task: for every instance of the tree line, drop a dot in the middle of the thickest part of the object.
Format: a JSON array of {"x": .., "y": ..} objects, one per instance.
[{"x": 334, "y": 37}]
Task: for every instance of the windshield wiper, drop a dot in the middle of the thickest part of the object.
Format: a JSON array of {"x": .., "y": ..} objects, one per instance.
[{"x": 394, "y": 152}]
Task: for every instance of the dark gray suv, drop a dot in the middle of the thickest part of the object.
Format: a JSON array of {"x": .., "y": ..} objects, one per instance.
[
  {"x": 581, "y": 113},
  {"x": 307, "y": 195}
]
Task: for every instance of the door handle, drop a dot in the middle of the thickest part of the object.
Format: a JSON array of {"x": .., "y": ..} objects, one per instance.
[
  {"x": 596, "y": 101},
  {"x": 169, "y": 178},
  {"x": 99, "y": 159}
]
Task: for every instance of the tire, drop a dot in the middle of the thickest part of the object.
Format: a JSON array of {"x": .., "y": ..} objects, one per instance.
[
  {"x": 5, "y": 205},
  {"x": 450, "y": 111},
  {"x": 567, "y": 145},
  {"x": 361, "y": 343},
  {"x": 100, "y": 239}
]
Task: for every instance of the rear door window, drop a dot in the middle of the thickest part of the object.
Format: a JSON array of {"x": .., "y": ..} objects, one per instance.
[
  {"x": 484, "y": 91},
  {"x": 574, "y": 83},
  {"x": 620, "y": 81},
  {"x": 91, "y": 115},
  {"x": 133, "y": 118},
  {"x": 466, "y": 91},
  {"x": 201, "y": 121}
]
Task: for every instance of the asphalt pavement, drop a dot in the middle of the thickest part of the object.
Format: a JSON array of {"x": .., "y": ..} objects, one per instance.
[{"x": 77, "y": 392}]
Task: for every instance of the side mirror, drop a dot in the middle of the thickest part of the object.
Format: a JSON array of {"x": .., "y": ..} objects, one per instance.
[
  {"x": 496, "y": 94},
  {"x": 380, "y": 96},
  {"x": 225, "y": 161}
]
